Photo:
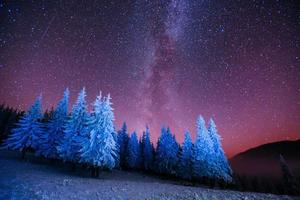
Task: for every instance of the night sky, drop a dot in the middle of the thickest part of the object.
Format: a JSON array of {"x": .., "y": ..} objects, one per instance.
[{"x": 163, "y": 62}]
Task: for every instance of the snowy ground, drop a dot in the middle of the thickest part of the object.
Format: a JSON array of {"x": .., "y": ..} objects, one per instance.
[{"x": 36, "y": 179}]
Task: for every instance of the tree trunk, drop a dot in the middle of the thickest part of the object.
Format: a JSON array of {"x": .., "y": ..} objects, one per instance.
[
  {"x": 92, "y": 171},
  {"x": 73, "y": 167},
  {"x": 23, "y": 153},
  {"x": 97, "y": 172},
  {"x": 52, "y": 161}
]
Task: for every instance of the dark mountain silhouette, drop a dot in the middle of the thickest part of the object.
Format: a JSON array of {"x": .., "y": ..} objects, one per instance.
[{"x": 263, "y": 161}]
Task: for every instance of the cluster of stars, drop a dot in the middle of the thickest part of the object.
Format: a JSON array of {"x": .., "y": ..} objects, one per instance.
[{"x": 164, "y": 62}]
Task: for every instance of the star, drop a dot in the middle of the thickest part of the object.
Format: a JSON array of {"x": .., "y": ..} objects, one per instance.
[{"x": 163, "y": 62}]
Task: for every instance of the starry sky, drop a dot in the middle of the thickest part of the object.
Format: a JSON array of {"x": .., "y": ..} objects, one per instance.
[{"x": 163, "y": 62}]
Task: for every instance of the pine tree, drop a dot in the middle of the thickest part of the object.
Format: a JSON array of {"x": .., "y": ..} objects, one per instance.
[
  {"x": 221, "y": 167},
  {"x": 140, "y": 160},
  {"x": 54, "y": 129},
  {"x": 133, "y": 152},
  {"x": 117, "y": 156},
  {"x": 289, "y": 183},
  {"x": 28, "y": 130},
  {"x": 8, "y": 119},
  {"x": 202, "y": 151},
  {"x": 122, "y": 144},
  {"x": 75, "y": 130},
  {"x": 167, "y": 153},
  {"x": 101, "y": 148},
  {"x": 185, "y": 166},
  {"x": 147, "y": 151}
]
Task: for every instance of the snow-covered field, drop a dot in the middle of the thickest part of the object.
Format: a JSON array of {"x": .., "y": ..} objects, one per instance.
[{"x": 36, "y": 179}]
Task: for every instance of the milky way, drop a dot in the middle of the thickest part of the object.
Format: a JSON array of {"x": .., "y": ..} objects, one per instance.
[
  {"x": 163, "y": 62},
  {"x": 159, "y": 73}
]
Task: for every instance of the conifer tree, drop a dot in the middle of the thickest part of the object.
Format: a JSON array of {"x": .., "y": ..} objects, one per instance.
[
  {"x": 221, "y": 167},
  {"x": 289, "y": 182},
  {"x": 8, "y": 119},
  {"x": 185, "y": 166},
  {"x": 167, "y": 152},
  {"x": 28, "y": 130},
  {"x": 117, "y": 156},
  {"x": 122, "y": 145},
  {"x": 202, "y": 151},
  {"x": 75, "y": 130},
  {"x": 54, "y": 129},
  {"x": 147, "y": 151},
  {"x": 101, "y": 148},
  {"x": 133, "y": 152}
]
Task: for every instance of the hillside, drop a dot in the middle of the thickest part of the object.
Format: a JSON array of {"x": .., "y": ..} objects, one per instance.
[
  {"x": 263, "y": 161},
  {"x": 35, "y": 179}
]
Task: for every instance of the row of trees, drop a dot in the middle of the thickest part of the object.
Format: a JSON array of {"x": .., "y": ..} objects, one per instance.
[
  {"x": 288, "y": 184},
  {"x": 91, "y": 139}
]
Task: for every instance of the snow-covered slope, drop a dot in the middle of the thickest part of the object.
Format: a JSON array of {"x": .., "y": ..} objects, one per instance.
[{"x": 36, "y": 179}]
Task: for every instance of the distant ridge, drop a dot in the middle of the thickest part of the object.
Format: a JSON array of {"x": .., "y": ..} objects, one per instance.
[{"x": 263, "y": 160}]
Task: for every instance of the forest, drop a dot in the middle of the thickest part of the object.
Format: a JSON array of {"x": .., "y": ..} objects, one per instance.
[{"x": 90, "y": 140}]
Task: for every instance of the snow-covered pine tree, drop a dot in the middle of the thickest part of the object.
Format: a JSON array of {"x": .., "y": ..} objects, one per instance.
[
  {"x": 147, "y": 151},
  {"x": 160, "y": 151},
  {"x": 140, "y": 161},
  {"x": 133, "y": 152},
  {"x": 202, "y": 151},
  {"x": 101, "y": 148},
  {"x": 221, "y": 167},
  {"x": 185, "y": 165},
  {"x": 122, "y": 144},
  {"x": 75, "y": 130},
  {"x": 54, "y": 129},
  {"x": 167, "y": 153},
  {"x": 28, "y": 130},
  {"x": 117, "y": 156}
]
